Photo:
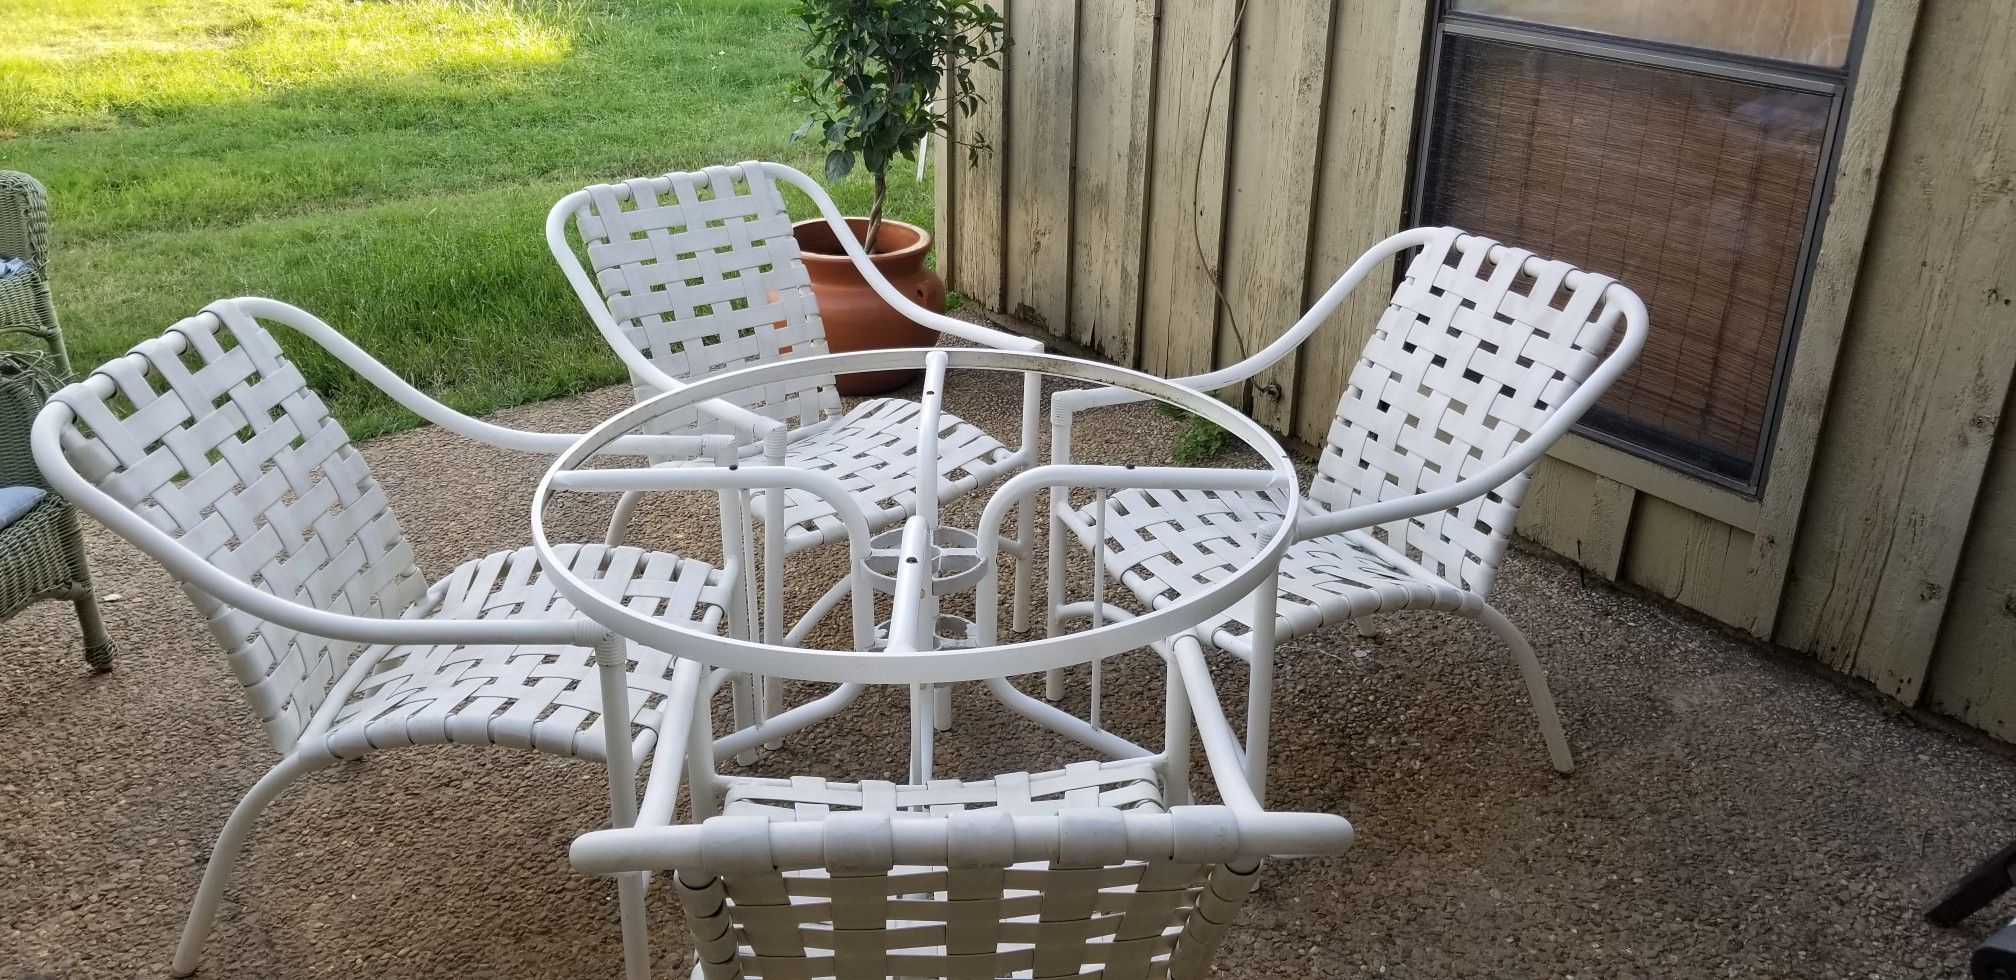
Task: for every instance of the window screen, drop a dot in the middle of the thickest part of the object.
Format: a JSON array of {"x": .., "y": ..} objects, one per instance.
[{"x": 1696, "y": 189}]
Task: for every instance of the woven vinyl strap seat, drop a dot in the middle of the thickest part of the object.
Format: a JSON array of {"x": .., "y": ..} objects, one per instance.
[
  {"x": 872, "y": 451},
  {"x": 529, "y": 696},
  {"x": 206, "y": 447},
  {"x": 1168, "y": 544}
]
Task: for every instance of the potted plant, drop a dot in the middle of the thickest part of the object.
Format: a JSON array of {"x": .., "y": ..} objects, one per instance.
[{"x": 884, "y": 73}]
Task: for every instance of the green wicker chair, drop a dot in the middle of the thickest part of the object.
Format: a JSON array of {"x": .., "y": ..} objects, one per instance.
[{"x": 41, "y": 549}]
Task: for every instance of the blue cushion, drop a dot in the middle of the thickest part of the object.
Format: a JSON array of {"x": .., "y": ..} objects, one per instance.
[{"x": 16, "y": 501}]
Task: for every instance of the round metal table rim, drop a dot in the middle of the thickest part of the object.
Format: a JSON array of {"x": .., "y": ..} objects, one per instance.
[{"x": 932, "y": 666}]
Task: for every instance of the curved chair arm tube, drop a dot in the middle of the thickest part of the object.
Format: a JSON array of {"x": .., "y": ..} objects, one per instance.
[
  {"x": 986, "y": 337},
  {"x": 420, "y": 403},
  {"x": 1318, "y": 312},
  {"x": 750, "y": 424},
  {"x": 1067, "y": 402},
  {"x": 1621, "y": 302}
]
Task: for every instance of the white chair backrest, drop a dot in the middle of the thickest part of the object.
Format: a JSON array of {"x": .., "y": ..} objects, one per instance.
[
  {"x": 700, "y": 273},
  {"x": 964, "y": 893},
  {"x": 1481, "y": 344},
  {"x": 213, "y": 436}
]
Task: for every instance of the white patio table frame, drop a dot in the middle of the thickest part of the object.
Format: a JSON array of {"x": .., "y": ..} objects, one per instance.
[{"x": 914, "y": 655}]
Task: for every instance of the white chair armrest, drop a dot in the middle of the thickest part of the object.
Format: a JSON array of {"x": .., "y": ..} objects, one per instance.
[{"x": 984, "y": 336}]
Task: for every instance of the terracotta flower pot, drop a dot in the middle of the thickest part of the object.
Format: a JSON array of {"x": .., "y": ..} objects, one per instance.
[{"x": 856, "y": 318}]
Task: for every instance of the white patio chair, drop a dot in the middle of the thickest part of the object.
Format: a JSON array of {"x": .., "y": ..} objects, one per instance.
[
  {"x": 1486, "y": 356},
  {"x": 206, "y": 449},
  {"x": 1096, "y": 870},
  {"x": 698, "y": 272}
]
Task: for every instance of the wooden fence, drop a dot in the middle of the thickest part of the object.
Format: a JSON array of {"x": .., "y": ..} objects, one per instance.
[{"x": 1147, "y": 154}]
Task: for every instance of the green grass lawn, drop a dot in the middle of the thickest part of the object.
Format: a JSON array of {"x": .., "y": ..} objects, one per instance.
[{"x": 385, "y": 164}]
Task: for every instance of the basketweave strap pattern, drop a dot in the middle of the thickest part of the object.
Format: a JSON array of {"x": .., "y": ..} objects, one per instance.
[
  {"x": 215, "y": 438},
  {"x": 1101, "y": 912},
  {"x": 1479, "y": 347},
  {"x": 701, "y": 271}
]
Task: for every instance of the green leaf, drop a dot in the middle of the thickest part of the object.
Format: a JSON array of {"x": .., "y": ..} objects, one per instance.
[{"x": 839, "y": 164}]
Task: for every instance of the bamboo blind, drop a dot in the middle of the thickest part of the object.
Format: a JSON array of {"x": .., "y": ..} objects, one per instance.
[{"x": 1693, "y": 189}]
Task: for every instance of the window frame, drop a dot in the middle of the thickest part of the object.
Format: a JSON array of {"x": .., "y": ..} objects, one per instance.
[{"x": 1835, "y": 83}]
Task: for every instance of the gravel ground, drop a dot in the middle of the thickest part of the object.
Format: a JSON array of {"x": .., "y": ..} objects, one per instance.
[{"x": 1733, "y": 816}]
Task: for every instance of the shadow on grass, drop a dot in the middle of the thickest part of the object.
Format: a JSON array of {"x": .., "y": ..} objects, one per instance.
[{"x": 408, "y": 211}]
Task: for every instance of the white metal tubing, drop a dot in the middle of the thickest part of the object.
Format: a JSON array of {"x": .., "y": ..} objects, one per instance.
[
  {"x": 1063, "y": 722},
  {"x": 416, "y": 401},
  {"x": 799, "y": 845},
  {"x": 1175, "y": 735},
  {"x": 612, "y": 667},
  {"x": 661, "y": 787},
  {"x": 619, "y": 519},
  {"x": 773, "y": 542},
  {"x": 930, "y": 410},
  {"x": 1060, "y": 500},
  {"x": 1025, "y": 516},
  {"x": 784, "y": 723},
  {"x": 903, "y": 304},
  {"x": 735, "y": 477},
  {"x": 944, "y": 665},
  {"x": 909, "y": 633},
  {"x": 1098, "y": 600},
  {"x": 224, "y": 855},
  {"x": 821, "y": 607},
  {"x": 1221, "y": 749},
  {"x": 1260, "y": 684}
]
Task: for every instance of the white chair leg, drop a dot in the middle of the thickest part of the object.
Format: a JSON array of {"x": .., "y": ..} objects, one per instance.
[
  {"x": 1260, "y": 685},
  {"x": 1364, "y": 628},
  {"x": 619, "y": 522},
  {"x": 612, "y": 663},
  {"x": 224, "y": 856},
  {"x": 1536, "y": 687},
  {"x": 1025, "y": 535}
]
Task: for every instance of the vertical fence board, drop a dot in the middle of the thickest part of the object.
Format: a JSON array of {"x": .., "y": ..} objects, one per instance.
[
  {"x": 1362, "y": 186},
  {"x": 1041, "y": 67},
  {"x": 978, "y": 188},
  {"x": 1115, "y": 104},
  {"x": 1277, "y": 129},
  {"x": 1684, "y": 556},
  {"x": 1901, "y": 463},
  {"x": 1585, "y": 516},
  {"x": 1180, "y": 308}
]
